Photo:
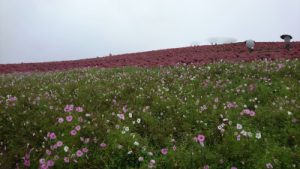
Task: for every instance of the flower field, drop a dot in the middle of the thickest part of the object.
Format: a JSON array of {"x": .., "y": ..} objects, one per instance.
[{"x": 224, "y": 115}]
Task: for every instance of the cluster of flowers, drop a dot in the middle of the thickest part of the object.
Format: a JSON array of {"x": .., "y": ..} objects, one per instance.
[
  {"x": 46, "y": 163},
  {"x": 248, "y": 112},
  {"x": 245, "y": 133},
  {"x": 9, "y": 100}
]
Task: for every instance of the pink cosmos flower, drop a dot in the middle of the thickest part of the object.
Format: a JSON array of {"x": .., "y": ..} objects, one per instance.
[
  {"x": 73, "y": 132},
  {"x": 69, "y": 118},
  {"x": 69, "y": 108},
  {"x": 26, "y": 162},
  {"x": 77, "y": 128},
  {"x": 103, "y": 145},
  {"x": 60, "y": 120},
  {"x": 164, "y": 151},
  {"x": 231, "y": 105},
  {"x": 252, "y": 113},
  {"x": 52, "y": 136},
  {"x": 12, "y": 98},
  {"x": 59, "y": 143},
  {"x": 48, "y": 152},
  {"x": 79, "y": 153},
  {"x": 66, "y": 159},
  {"x": 246, "y": 111},
  {"x": 121, "y": 116},
  {"x": 44, "y": 166},
  {"x": 79, "y": 109},
  {"x": 201, "y": 138},
  {"x": 269, "y": 165},
  {"x": 280, "y": 65},
  {"x": 206, "y": 167},
  {"x": 50, "y": 163},
  {"x": 53, "y": 147},
  {"x": 85, "y": 150},
  {"x": 125, "y": 109}
]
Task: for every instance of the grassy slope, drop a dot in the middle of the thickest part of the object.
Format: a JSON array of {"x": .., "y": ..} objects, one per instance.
[{"x": 174, "y": 104}]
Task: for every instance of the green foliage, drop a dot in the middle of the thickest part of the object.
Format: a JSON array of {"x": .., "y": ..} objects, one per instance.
[{"x": 163, "y": 108}]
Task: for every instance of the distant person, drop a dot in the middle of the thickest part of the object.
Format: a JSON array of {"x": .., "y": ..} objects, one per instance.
[
  {"x": 287, "y": 39},
  {"x": 250, "y": 45}
]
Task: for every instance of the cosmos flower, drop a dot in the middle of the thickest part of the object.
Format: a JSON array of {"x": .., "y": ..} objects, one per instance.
[
  {"x": 252, "y": 113},
  {"x": 59, "y": 143},
  {"x": 42, "y": 161},
  {"x": 50, "y": 163},
  {"x": 79, "y": 109},
  {"x": 85, "y": 150},
  {"x": 164, "y": 151},
  {"x": 69, "y": 108},
  {"x": 66, "y": 148},
  {"x": 79, "y": 153},
  {"x": 60, "y": 120},
  {"x": 141, "y": 159},
  {"x": 103, "y": 145},
  {"x": 239, "y": 126},
  {"x": 258, "y": 135},
  {"x": 269, "y": 165},
  {"x": 66, "y": 159},
  {"x": 52, "y": 136},
  {"x": 44, "y": 166},
  {"x": 121, "y": 116},
  {"x": 69, "y": 118},
  {"x": 206, "y": 167},
  {"x": 201, "y": 138},
  {"x": 48, "y": 152},
  {"x": 77, "y": 128},
  {"x": 73, "y": 132},
  {"x": 152, "y": 164}
]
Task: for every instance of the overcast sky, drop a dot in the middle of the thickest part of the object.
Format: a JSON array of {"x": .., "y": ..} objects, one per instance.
[{"x": 53, "y": 30}]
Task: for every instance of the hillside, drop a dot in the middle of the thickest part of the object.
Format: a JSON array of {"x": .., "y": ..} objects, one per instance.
[
  {"x": 188, "y": 55},
  {"x": 222, "y": 115}
]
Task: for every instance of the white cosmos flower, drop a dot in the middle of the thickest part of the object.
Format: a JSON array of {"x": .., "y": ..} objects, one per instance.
[
  {"x": 130, "y": 115},
  {"x": 136, "y": 143},
  {"x": 249, "y": 134},
  {"x": 258, "y": 135},
  {"x": 138, "y": 120},
  {"x": 239, "y": 126},
  {"x": 244, "y": 133},
  {"x": 66, "y": 148}
]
